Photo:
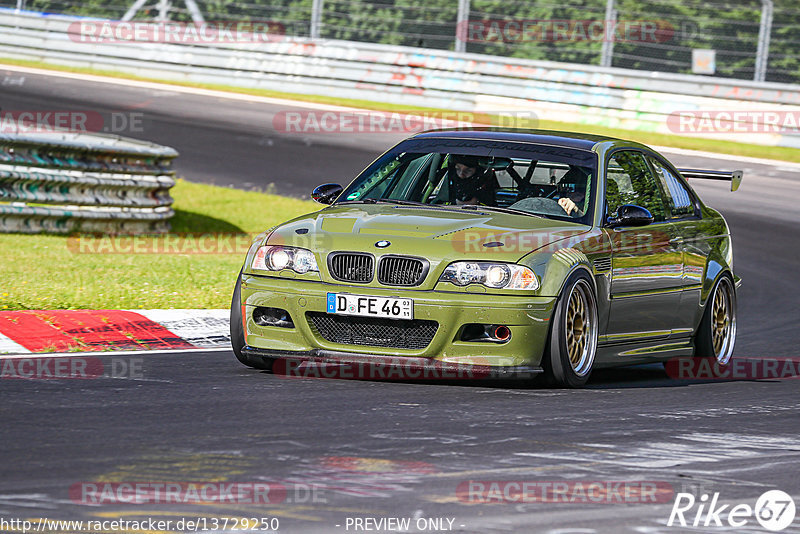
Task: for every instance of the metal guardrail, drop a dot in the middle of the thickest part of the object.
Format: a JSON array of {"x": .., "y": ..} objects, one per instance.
[
  {"x": 76, "y": 182},
  {"x": 569, "y": 93}
]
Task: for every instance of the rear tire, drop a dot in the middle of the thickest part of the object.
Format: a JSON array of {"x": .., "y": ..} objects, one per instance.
[
  {"x": 572, "y": 348},
  {"x": 716, "y": 335}
]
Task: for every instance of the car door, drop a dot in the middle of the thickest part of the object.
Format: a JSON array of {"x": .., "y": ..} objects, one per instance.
[
  {"x": 647, "y": 263},
  {"x": 684, "y": 215}
]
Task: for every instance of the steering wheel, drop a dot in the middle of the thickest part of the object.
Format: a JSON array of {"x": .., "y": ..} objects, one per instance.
[
  {"x": 537, "y": 190},
  {"x": 543, "y": 205}
]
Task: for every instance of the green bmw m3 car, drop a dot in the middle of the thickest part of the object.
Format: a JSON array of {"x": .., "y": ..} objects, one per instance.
[{"x": 521, "y": 252}]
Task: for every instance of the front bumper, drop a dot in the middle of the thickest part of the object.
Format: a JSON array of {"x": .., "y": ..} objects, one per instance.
[{"x": 527, "y": 317}]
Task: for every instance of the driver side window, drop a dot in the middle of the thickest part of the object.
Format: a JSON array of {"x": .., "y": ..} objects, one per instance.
[{"x": 629, "y": 180}]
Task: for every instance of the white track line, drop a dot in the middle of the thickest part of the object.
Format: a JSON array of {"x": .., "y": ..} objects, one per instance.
[
  {"x": 32, "y": 355},
  {"x": 166, "y": 86}
]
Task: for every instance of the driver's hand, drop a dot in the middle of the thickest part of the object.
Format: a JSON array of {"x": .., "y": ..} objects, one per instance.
[
  {"x": 567, "y": 204},
  {"x": 472, "y": 201}
]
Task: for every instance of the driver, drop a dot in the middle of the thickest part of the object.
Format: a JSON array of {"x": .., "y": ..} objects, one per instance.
[
  {"x": 472, "y": 184},
  {"x": 573, "y": 199}
]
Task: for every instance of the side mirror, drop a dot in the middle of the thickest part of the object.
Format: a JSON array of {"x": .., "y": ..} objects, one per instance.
[
  {"x": 326, "y": 193},
  {"x": 631, "y": 215}
]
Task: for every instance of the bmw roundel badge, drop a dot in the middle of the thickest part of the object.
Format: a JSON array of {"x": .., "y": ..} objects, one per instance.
[{"x": 382, "y": 243}]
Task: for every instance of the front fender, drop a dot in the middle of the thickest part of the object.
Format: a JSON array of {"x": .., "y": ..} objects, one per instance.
[{"x": 554, "y": 263}]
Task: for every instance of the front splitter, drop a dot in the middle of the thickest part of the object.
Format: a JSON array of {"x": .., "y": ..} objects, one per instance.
[{"x": 320, "y": 363}]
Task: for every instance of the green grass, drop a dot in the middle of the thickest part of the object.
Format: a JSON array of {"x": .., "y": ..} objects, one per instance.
[
  {"x": 51, "y": 272},
  {"x": 650, "y": 138}
]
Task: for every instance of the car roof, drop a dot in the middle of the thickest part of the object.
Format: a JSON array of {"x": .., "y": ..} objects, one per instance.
[{"x": 577, "y": 140}]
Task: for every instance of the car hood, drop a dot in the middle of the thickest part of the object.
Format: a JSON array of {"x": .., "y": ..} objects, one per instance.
[{"x": 435, "y": 233}]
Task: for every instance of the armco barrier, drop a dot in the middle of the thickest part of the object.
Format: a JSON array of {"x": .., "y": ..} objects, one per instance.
[
  {"x": 76, "y": 182},
  {"x": 611, "y": 97}
]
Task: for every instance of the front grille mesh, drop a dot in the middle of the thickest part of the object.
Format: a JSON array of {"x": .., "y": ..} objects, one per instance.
[
  {"x": 400, "y": 271},
  {"x": 348, "y": 330},
  {"x": 349, "y": 267}
]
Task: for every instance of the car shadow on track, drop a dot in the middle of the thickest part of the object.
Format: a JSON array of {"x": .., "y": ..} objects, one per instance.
[
  {"x": 651, "y": 375},
  {"x": 640, "y": 376},
  {"x": 644, "y": 376},
  {"x": 655, "y": 376}
]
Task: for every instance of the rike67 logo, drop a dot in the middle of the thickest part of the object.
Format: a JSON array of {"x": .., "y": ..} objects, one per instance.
[{"x": 774, "y": 510}]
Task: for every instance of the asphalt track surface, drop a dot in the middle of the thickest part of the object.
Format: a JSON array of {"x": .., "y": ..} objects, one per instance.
[{"x": 372, "y": 449}]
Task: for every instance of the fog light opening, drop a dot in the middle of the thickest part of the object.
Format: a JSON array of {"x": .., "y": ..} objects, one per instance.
[
  {"x": 491, "y": 333},
  {"x": 272, "y": 317}
]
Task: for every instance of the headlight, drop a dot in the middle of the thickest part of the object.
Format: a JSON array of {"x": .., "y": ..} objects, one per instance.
[
  {"x": 277, "y": 258},
  {"x": 493, "y": 275}
]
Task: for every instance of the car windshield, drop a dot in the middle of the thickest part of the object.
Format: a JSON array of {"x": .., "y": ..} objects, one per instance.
[{"x": 521, "y": 178}]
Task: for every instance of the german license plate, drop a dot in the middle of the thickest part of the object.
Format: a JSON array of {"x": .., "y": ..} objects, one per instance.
[{"x": 366, "y": 306}]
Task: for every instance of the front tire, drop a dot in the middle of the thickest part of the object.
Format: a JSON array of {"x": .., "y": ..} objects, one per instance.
[
  {"x": 237, "y": 329},
  {"x": 570, "y": 356},
  {"x": 716, "y": 334}
]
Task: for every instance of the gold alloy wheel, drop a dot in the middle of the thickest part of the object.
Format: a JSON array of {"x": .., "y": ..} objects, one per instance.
[
  {"x": 581, "y": 328},
  {"x": 723, "y": 321}
]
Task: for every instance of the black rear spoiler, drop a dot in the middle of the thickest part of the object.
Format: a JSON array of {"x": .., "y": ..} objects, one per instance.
[{"x": 734, "y": 177}]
